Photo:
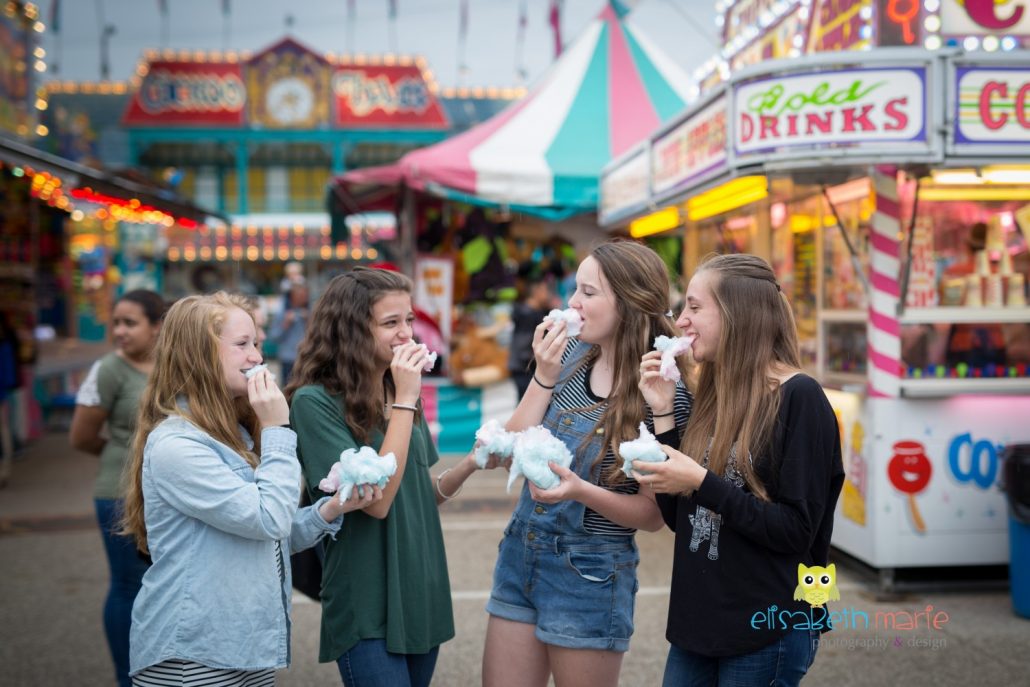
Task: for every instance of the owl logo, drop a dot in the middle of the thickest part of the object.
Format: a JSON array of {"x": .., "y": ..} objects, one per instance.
[{"x": 816, "y": 584}]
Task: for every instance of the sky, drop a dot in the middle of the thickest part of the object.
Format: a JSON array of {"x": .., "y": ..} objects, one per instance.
[{"x": 684, "y": 29}]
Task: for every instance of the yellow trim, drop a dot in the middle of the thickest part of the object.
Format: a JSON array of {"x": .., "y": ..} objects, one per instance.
[
  {"x": 656, "y": 222},
  {"x": 975, "y": 193},
  {"x": 728, "y": 196}
]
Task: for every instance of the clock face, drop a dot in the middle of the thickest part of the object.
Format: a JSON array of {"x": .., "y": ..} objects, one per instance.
[{"x": 289, "y": 101}]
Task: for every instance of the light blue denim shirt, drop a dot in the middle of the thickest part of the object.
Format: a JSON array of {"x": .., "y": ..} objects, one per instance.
[{"x": 213, "y": 594}]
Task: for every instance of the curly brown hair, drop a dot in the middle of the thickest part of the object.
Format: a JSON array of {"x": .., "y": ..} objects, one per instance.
[{"x": 338, "y": 350}]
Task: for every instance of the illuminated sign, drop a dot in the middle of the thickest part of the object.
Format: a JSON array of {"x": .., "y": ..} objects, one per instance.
[
  {"x": 624, "y": 188},
  {"x": 992, "y": 106},
  {"x": 189, "y": 93},
  {"x": 693, "y": 150},
  {"x": 385, "y": 96},
  {"x": 840, "y": 25},
  {"x": 858, "y": 107},
  {"x": 980, "y": 17},
  {"x": 17, "y": 116},
  {"x": 781, "y": 39}
]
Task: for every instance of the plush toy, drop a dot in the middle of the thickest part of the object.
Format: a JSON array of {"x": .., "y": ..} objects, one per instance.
[
  {"x": 492, "y": 438},
  {"x": 534, "y": 449},
  {"x": 644, "y": 448},
  {"x": 573, "y": 322},
  {"x": 357, "y": 467},
  {"x": 670, "y": 348}
]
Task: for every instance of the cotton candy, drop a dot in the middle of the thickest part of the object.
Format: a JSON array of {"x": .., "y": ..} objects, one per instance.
[
  {"x": 430, "y": 357},
  {"x": 357, "y": 467},
  {"x": 492, "y": 438},
  {"x": 671, "y": 347},
  {"x": 254, "y": 370},
  {"x": 534, "y": 449},
  {"x": 644, "y": 448},
  {"x": 573, "y": 322}
]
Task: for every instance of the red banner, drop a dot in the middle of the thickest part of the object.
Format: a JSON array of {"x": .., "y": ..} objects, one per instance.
[
  {"x": 384, "y": 96},
  {"x": 189, "y": 93}
]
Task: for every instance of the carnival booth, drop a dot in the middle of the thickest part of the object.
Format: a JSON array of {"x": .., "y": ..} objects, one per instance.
[
  {"x": 531, "y": 170},
  {"x": 888, "y": 189}
]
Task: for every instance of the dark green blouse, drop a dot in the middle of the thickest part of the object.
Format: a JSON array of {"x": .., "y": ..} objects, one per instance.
[{"x": 383, "y": 579}]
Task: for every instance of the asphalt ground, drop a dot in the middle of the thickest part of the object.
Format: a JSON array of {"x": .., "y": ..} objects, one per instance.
[{"x": 53, "y": 580}]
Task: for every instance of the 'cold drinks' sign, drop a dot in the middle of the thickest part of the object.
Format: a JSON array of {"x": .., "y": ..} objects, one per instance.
[{"x": 864, "y": 108}]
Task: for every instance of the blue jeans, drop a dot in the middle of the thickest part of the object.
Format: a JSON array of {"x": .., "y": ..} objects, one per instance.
[
  {"x": 369, "y": 664},
  {"x": 127, "y": 568},
  {"x": 781, "y": 664}
]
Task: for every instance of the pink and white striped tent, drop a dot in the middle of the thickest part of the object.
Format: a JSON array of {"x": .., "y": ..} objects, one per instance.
[{"x": 544, "y": 154}]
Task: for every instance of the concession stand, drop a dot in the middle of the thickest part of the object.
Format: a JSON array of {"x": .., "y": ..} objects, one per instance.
[{"x": 888, "y": 189}]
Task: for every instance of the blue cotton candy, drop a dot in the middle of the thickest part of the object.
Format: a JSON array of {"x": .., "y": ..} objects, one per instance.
[
  {"x": 645, "y": 448},
  {"x": 357, "y": 467},
  {"x": 492, "y": 438},
  {"x": 534, "y": 449}
]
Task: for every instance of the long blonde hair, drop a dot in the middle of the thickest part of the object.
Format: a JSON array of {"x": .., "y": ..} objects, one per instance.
[
  {"x": 188, "y": 368},
  {"x": 737, "y": 401},
  {"x": 639, "y": 281}
]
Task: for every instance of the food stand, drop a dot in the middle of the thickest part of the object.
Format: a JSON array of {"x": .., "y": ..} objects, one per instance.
[{"x": 861, "y": 177}]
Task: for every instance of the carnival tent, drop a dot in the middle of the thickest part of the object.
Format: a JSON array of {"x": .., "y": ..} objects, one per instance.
[{"x": 543, "y": 154}]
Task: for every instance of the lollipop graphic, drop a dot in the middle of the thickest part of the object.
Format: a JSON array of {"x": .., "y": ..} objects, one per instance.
[{"x": 909, "y": 471}]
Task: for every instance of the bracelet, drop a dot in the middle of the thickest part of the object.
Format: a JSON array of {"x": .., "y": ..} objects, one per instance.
[
  {"x": 542, "y": 385},
  {"x": 404, "y": 406},
  {"x": 439, "y": 491},
  {"x": 668, "y": 414}
]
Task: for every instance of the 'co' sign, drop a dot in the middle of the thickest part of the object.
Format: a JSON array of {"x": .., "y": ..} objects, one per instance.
[{"x": 971, "y": 461}]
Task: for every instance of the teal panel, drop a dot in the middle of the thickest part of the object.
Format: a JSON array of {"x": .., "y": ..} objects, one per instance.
[
  {"x": 666, "y": 101},
  {"x": 582, "y": 146},
  {"x": 459, "y": 412}
]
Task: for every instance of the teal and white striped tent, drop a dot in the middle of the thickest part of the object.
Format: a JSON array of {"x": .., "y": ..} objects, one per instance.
[{"x": 544, "y": 153}]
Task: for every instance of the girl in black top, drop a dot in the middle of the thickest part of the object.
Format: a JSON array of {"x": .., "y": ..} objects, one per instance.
[{"x": 752, "y": 490}]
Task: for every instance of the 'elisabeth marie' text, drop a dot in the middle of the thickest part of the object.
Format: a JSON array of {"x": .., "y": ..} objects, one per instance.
[{"x": 820, "y": 618}]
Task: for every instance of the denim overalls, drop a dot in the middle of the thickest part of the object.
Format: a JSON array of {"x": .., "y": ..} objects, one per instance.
[{"x": 577, "y": 588}]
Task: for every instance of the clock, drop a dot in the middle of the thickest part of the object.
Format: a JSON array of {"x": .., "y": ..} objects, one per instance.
[{"x": 289, "y": 101}]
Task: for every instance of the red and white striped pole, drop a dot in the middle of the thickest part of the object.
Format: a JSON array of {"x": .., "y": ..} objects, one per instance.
[{"x": 884, "y": 331}]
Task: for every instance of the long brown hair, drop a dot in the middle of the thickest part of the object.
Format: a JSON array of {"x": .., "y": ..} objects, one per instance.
[
  {"x": 639, "y": 281},
  {"x": 188, "y": 366},
  {"x": 737, "y": 401},
  {"x": 338, "y": 350}
]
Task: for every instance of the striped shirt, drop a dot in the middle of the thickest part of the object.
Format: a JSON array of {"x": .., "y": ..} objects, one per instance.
[
  {"x": 177, "y": 673},
  {"x": 577, "y": 395}
]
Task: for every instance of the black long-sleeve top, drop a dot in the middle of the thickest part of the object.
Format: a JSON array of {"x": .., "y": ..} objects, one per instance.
[{"x": 751, "y": 562}]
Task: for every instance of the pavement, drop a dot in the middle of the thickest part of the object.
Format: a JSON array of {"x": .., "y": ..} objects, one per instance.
[{"x": 53, "y": 579}]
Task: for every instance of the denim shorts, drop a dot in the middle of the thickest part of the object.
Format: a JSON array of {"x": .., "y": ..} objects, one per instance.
[{"x": 578, "y": 590}]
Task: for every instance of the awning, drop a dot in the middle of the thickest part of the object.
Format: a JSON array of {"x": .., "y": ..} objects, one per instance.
[
  {"x": 76, "y": 175},
  {"x": 544, "y": 154}
]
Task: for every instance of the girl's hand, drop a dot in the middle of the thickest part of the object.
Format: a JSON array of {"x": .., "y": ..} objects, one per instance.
[
  {"x": 549, "y": 340},
  {"x": 361, "y": 496},
  {"x": 567, "y": 490},
  {"x": 267, "y": 400},
  {"x": 406, "y": 367},
  {"x": 681, "y": 474},
  {"x": 659, "y": 394},
  {"x": 492, "y": 461}
]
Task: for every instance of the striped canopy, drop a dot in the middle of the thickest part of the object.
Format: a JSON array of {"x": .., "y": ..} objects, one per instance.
[{"x": 544, "y": 153}]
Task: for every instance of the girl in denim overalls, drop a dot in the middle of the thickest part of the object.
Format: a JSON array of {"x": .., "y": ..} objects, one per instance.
[{"x": 565, "y": 579}]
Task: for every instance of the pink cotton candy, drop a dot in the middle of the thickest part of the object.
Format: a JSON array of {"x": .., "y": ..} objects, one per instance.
[{"x": 671, "y": 348}]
